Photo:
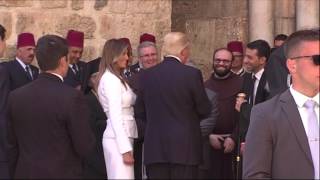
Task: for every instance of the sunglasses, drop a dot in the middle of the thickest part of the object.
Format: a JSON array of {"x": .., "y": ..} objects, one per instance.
[{"x": 315, "y": 58}]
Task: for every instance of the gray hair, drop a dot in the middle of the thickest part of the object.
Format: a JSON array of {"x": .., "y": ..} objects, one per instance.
[{"x": 144, "y": 45}]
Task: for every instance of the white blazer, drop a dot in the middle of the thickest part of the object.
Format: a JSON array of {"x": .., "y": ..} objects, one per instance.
[{"x": 117, "y": 102}]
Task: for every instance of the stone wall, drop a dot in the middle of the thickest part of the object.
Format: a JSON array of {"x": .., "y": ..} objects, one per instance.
[
  {"x": 210, "y": 24},
  {"x": 100, "y": 20}
]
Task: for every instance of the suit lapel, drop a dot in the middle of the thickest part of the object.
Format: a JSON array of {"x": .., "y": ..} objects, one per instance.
[
  {"x": 290, "y": 108},
  {"x": 21, "y": 71},
  {"x": 261, "y": 96}
]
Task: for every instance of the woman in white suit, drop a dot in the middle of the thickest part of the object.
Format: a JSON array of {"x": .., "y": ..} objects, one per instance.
[{"x": 117, "y": 100}]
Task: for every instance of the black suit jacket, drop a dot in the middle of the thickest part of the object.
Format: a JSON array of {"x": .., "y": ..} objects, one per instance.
[
  {"x": 18, "y": 76},
  {"x": 172, "y": 101},
  {"x": 245, "y": 110},
  {"x": 4, "y": 91},
  {"x": 95, "y": 164},
  {"x": 277, "y": 73},
  {"x": 48, "y": 130},
  {"x": 75, "y": 80}
]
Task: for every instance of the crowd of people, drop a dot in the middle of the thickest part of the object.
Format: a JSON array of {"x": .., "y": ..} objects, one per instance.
[{"x": 257, "y": 116}]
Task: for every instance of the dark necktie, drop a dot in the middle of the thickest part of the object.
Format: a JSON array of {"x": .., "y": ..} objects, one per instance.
[
  {"x": 251, "y": 85},
  {"x": 76, "y": 70},
  {"x": 29, "y": 72}
]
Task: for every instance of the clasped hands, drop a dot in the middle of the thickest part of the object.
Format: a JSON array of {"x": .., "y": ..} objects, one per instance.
[{"x": 217, "y": 141}]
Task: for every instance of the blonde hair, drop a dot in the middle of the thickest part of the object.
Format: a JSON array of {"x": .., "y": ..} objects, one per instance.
[
  {"x": 112, "y": 50},
  {"x": 174, "y": 43}
]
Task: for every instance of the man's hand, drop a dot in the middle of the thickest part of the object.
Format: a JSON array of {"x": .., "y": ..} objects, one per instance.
[
  {"x": 228, "y": 145},
  {"x": 128, "y": 158},
  {"x": 239, "y": 102},
  {"x": 215, "y": 141}
]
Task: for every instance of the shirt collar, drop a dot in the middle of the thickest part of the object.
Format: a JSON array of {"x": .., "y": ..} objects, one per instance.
[
  {"x": 259, "y": 74},
  {"x": 238, "y": 72},
  {"x": 58, "y": 75},
  {"x": 21, "y": 63},
  {"x": 174, "y": 57},
  {"x": 300, "y": 98}
]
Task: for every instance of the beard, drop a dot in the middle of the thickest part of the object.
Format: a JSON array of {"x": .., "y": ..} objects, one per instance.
[{"x": 221, "y": 72}]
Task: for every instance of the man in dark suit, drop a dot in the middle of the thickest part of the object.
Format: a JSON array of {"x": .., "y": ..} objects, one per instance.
[
  {"x": 94, "y": 166},
  {"x": 172, "y": 100},
  {"x": 48, "y": 121},
  {"x": 20, "y": 70},
  {"x": 254, "y": 83},
  {"x": 75, "y": 73},
  {"x": 145, "y": 37},
  {"x": 254, "y": 86},
  {"x": 277, "y": 73},
  {"x": 4, "y": 91},
  {"x": 283, "y": 136},
  {"x": 148, "y": 57}
]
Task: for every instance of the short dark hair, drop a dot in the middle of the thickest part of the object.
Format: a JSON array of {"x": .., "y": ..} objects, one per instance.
[
  {"x": 50, "y": 48},
  {"x": 296, "y": 38},
  {"x": 2, "y": 32},
  {"x": 280, "y": 37},
  {"x": 261, "y": 46}
]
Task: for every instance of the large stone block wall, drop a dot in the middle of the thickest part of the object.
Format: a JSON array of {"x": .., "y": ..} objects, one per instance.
[
  {"x": 210, "y": 24},
  {"x": 100, "y": 20}
]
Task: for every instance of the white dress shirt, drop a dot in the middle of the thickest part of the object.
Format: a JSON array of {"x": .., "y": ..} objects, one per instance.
[
  {"x": 256, "y": 83},
  {"x": 300, "y": 100}
]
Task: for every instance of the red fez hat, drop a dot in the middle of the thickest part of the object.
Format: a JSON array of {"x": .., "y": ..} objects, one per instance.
[
  {"x": 75, "y": 38},
  {"x": 126, "y": 40},
  {"x": 235, "y": 46},
  {"x": 25, "y": 39},
  {"x": 147, "y": 37}
]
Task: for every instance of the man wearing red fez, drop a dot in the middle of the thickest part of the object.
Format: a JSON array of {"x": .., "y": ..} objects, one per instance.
[
  {"x": 147, "y": 37},
  {"x": 237, "y": 51},
  {"x": 148, "y": 47},
  {"x": 20, "y": 70},
  {"x": 76, "y": 67}
]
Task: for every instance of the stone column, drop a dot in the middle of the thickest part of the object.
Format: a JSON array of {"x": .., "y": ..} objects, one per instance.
[
  {"x": 261, "y": 20},
  {"x": 307, "y": 14},
  {"x": 285, "y": 17}
]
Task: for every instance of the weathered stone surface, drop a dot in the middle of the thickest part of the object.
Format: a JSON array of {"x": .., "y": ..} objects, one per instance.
[
  {"x": 307, "y": 15},
  {"x": 100, "y": 4},
  {"x": 284, "y": 26},
  {"x": 16, "y": 3},
  {"x": 208, "y": 35},
  {"x": 6, "y": 22},
  {"x": 25, "y": 23},
  {"x": 142, "y": 6},
  {"x": 77, "y": 4},
  {"x": 49, "y": 4},
  {"x": 76, "y": 22},
  {"x": 117, "y": 6},
  {"x": 89, "y": 53},
  {"x": 10, "y": 52},
  {"x": 285, "y": 8}
]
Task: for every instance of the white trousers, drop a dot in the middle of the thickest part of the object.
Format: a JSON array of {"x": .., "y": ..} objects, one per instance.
[{"x": 116, "y": 168}]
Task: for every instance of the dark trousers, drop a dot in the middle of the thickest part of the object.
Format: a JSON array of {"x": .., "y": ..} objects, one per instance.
[
  {"x": 4, "y": 170},
  {"x": 137, "y": 155},
  {"x": 222, "y": 165},
  {"x": 171, "y": 171}
]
